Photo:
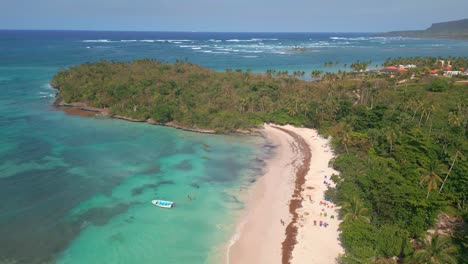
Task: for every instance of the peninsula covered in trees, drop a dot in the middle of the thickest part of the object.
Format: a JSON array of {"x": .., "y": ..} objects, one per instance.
[{"x": 401, "y": 139}]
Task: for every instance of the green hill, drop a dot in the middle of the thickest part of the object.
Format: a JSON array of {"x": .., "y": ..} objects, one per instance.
[
  {"x": 453, "y": 26},
  {"x": 453, "y": 29}
]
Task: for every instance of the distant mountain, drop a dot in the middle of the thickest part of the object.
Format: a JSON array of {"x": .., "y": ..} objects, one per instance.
[
  {"x": 452, "y": 26},
  {"x": 453, "y": 29}
]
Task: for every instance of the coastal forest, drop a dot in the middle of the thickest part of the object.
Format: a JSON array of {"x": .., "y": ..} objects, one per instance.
[{"x": 401, "y": 140}]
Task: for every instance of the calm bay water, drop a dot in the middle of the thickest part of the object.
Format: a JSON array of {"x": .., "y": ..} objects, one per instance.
[{"x": 78, "y": 190}]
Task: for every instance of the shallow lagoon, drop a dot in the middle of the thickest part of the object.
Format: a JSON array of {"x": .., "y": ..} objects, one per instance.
[{"x": 78, "y": 190}]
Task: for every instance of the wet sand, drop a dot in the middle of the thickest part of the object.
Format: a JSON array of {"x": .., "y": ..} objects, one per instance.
[{"x": 277, "y": 226}]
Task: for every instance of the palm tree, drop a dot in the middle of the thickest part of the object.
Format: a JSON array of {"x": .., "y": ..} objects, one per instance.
[
  {"x": 415, "y": 105},
  {"x": 346, "y": 138},
  {"x": 454, "y": 119},
  {"x": 354, "y": 210},
  {"x": 316, "y": 74},
  {"x": 304, "y": 106},
  {"x": 457, "y": 153},
  {"x": 424, "y": 110},
  {"x": 391, "y": 136},
  {"x": 247, "y": 75},
  {"x": 430, "y": 177},
  {"x": 345, "y": 134},
  {"x": 436, "y": 249},
  {"x": 431, "y": 109},
  {"x": 292, "y": 106}
]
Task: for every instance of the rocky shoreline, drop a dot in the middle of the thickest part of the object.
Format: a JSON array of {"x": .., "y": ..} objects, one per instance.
[{"x": 83, "y": 109}]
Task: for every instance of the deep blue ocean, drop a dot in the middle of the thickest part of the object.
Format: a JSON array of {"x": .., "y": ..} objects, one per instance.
[{"x": 78, "y": 190}]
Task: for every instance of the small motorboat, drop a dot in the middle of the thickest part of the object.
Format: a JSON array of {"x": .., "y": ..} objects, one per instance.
[{"x": 163, "y": 204}]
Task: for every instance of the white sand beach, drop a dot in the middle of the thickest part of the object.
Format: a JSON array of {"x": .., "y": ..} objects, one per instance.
[
  {"x": 268, "y": 219},
  {"x": 317, "y": 244}
]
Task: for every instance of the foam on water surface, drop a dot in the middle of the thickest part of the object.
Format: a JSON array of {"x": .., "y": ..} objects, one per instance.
[{"x": 79, "y": 190}]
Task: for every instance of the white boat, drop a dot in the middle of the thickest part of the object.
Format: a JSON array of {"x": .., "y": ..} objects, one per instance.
[{"x": 162, "y": 203}]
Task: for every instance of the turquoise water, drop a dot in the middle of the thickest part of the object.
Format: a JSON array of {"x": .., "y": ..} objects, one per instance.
[{"x": 78, "y": 190}]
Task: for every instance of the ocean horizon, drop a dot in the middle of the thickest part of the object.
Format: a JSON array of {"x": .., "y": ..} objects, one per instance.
[
  {"x": 194, "y": 31},
  {"x": 79, "y": 190}
]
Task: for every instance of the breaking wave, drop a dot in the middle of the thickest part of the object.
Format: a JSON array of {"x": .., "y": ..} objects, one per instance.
[
  {"x": 137, "y": 40},
  {"x": 98, "y": 40},
  {"x": 250, "y": 40},
  {"x": 367, "y": 38}
]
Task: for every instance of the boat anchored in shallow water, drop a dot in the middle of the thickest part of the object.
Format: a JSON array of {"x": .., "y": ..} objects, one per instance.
[{"x": 163, "y": 204}]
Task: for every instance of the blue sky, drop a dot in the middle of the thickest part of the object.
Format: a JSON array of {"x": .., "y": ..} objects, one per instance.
[{"x": 232, "y": 15}]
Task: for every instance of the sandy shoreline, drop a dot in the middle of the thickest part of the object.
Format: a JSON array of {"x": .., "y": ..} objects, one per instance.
[
  {"x": 290, "y": 191},
  {"x": 260, "y": 230},
  {"x": 282, "y": 206}
]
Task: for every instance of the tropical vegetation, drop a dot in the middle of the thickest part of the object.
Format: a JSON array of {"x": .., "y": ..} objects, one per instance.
[
  {"x": 401, "y": 145},
  {"x": 435, "y": 249}
]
